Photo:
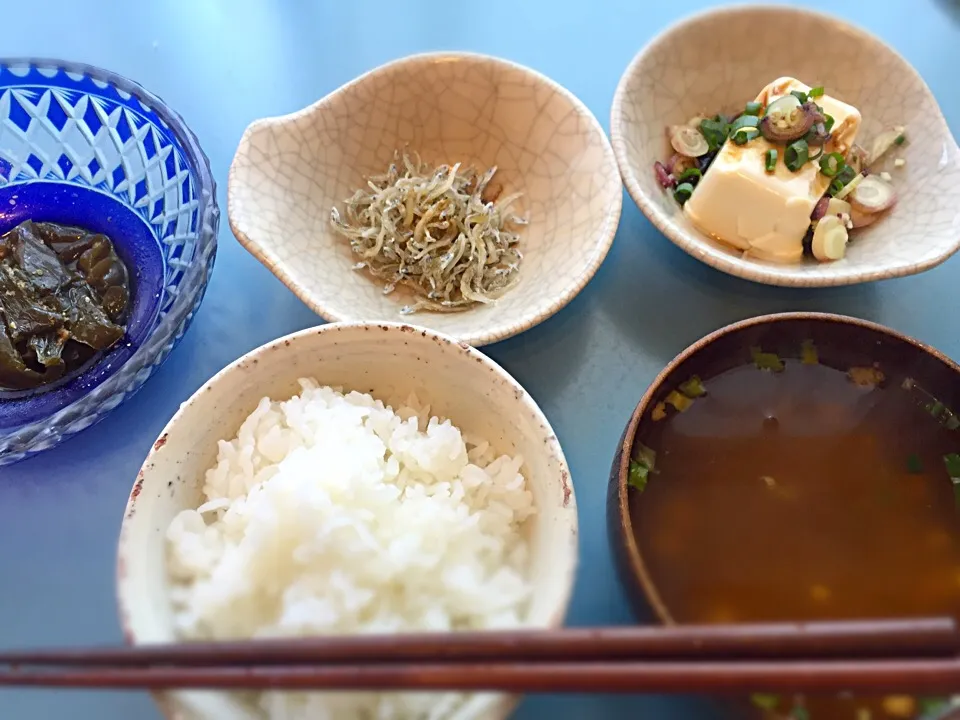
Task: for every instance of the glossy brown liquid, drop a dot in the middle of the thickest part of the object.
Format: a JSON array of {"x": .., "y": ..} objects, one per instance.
[{"x": 799, "y": 495}]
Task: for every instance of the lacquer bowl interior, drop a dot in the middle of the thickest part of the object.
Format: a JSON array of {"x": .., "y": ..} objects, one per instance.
[
  {"x": 290, "y": 171},
  {"x": 717, "y": 61},
  {"x": 389, "y": 361}
]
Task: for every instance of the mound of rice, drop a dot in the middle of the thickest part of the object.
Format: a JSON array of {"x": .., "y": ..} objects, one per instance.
[{"x": 333, "y": 513}]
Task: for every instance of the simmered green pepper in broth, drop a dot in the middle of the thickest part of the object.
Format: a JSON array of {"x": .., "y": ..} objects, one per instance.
[{"x": 64, "y": 296}]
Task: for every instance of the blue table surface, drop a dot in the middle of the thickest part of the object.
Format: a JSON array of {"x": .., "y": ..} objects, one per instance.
[{"x": 224, "y": 63}]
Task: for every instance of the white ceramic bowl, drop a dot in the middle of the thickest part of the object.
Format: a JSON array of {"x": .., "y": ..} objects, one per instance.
[
  {"x": 718, "y": 60},
  {"x": 386, "y": 360},
  {"x": 290, "y": 171}
]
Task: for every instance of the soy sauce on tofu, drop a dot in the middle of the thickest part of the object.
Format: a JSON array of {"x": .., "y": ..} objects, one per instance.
[{"x": 64, "y": 297}]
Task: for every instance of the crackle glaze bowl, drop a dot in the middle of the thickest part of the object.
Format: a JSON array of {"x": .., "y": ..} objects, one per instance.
[
  {"x": 387, "y": 360},
  {"x": 83, "y": 146},
  {"x": 718, "y": 60},
  {"x": 289, "y": 172}
]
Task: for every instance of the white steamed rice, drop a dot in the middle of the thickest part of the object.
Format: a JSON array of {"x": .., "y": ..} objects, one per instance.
[{"x": 333, "y": 513}]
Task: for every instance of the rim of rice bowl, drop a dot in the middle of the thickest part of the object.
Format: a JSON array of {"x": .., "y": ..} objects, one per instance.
[{"x": 395, "y": 361}]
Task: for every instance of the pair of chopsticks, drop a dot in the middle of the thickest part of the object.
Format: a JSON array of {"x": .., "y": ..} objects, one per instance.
[{"x": 918, "y": 655}]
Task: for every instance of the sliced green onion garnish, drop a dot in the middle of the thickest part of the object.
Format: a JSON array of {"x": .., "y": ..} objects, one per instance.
[
  {"x": 796, "y": 155},
  {"x": 644, "y": 455},
  {"x": 930, "y": 404},
  {"x": 832, "y": 164},
  {"x": 641, "y": 465},
  {"x": 816, "y": 92},
  {"x": 799, "y": 95},
  {"x": 764, "y": 701},
  {"x": 683, "y": 192},
  {"x": 744, "y": 135},
  {"x": 808, "y": 353},
  {"x": 846, "y": 175},
  {"x": 914, "y": 466},
  {"x": 744, "y": 129},
  {"x": 690, "y": 173},
  {"x": 637, "y": 478},
  {"x": 715, "y": 132},
  {"x": 901, "y": 139},
  {"x": 693, "y": 388},
  {"x": 766, "y": 360},
  {"x": 659, "y": 412},
  {"x": 679, "y": 401},
  {"x": 753, "y": 108},
  {"x": 952, "y": 463},
  {"x": 828, "y": 122},
  {"x": 744, "y": 121},
  {"x": 931, "y": 704},
  {"x": 770, "y": 160}
]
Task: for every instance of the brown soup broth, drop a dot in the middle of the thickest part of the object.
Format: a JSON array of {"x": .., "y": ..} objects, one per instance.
[{"x": 802, "y": 495}]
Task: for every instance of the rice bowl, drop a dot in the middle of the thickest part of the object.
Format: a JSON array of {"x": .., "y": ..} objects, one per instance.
[{"x": 400, "y": 482}]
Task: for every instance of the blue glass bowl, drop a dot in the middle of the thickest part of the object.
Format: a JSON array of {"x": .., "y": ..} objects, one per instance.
[{"x": 83, "y": 146}]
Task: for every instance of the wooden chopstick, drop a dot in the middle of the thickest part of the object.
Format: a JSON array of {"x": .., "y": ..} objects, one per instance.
[
  {"x": 920, "y": 676},
  {"x": 928, "y": 637},
  {"x": 918, "y": 655}
]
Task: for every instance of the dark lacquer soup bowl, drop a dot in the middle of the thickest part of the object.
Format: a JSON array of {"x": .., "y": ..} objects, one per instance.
[
  {"x": 799, "y": 466},
  {"x": 83, "y": 147}
]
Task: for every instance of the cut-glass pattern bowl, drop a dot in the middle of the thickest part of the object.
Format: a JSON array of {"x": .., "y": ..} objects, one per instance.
[{"x": 83, "y": 146}]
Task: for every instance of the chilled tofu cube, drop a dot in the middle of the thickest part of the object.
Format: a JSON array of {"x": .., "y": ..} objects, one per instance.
[{"x": 767, "y": 214}]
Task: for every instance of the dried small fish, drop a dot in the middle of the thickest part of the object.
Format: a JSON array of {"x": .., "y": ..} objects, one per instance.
[{"x": 444, "y": 233}]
